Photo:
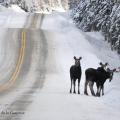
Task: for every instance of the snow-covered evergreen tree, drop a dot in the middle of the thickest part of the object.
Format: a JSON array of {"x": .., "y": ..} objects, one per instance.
[
  {"x": 73, "y": 3},
  {"x": 38, "y": 5},
  {"x": 99, "y": 15}
]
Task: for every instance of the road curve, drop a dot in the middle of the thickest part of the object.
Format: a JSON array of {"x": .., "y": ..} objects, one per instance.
[
  {"x": 18, "y": 65},
  {"x": 28, "y": 74},
  {"x": 34, "y": 21}
]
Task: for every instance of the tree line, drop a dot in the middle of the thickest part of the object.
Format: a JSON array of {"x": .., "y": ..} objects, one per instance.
[{"x": 99, "y": 15}]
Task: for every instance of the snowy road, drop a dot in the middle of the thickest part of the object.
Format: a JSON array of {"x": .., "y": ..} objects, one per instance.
[
  {"x": 41, "y": 88},
  {"x": 22, "y": 66}
]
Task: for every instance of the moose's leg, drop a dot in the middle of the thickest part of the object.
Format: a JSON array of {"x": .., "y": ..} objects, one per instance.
[
  {"x": 91, "y": 88},
  {"x": 74, "y": 82},
  {"x": 71, "y": 87},
  {"x": 97, "y": 89},
  {"x": 100, "y": 90},
  {"x": 85, "y": 88},
  {"x": 103, "y": 90},
  {"x": 78, "y": 86}
]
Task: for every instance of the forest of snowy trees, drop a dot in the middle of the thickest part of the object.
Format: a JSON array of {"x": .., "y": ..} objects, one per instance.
[
  {"x": 40, "y": 5},
  {"x": 99, "y": 15}
]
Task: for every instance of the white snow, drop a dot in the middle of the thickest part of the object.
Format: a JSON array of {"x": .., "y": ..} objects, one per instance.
[
  {"x": 16, "y": 8},
  {"x": 54, "y": 102},
  {"x": 12, "y": 17},
  {"x": 2, "y": 8}
]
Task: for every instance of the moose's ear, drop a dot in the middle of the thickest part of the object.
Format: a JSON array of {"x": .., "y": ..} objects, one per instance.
[
  {"x": 114, "y": 70},
  {"x": 74, "y": 57},
  {"x": 80, "y": 58},
  {"x": 106, "y": 64},
  {"x": 100, "y": 63}
]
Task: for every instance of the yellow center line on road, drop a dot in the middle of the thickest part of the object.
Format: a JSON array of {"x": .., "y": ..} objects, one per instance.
[{"x": 18, "y": 66}]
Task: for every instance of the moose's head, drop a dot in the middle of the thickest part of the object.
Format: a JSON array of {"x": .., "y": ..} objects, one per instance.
[
  {"x": 111, "y": 72},
  {"x": 104, "y": 66},
  {"x": 77, "y": 61}
]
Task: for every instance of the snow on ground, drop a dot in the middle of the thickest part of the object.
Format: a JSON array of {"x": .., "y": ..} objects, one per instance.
[
  {"x": 16, "y": 8},
  {"x": 2, "y": 8},
  {"x": 54, "y": 101},
  {"x": 2, "y": 48},
  {"x": 12, "y": 17}
]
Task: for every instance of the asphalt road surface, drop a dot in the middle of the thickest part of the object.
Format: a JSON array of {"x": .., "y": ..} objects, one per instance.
[{"x": 26, "y": 51}]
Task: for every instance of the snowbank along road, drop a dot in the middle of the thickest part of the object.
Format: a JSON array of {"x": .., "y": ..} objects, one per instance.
[{"x": 36, "y": 53}]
